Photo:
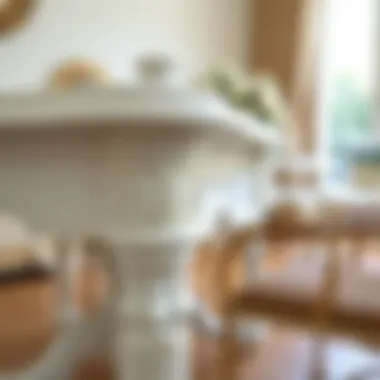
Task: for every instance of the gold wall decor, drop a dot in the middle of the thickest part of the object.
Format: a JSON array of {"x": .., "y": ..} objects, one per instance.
[
  {"x": 78, "y": 73},
  {"x": 14, "y": 13}
]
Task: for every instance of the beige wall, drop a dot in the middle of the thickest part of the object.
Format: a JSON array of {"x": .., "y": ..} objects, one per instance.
[{"x": 199, "y": 32}]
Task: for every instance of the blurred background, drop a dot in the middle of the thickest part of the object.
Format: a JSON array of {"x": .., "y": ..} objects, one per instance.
[{"x": 323, "y": 55}]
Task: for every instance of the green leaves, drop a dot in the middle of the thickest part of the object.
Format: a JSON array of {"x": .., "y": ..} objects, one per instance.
[
  {"x": 256, "y": 95},
  {"x": 222, "y": 82},
  {"x": 252, "y": 101}
]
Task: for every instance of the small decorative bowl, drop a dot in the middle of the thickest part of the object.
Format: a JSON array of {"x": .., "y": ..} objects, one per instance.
[{"x": 154, "y": 67}]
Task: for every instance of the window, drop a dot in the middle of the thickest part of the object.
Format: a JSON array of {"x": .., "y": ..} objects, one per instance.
[{"x": 350, "y": 79}]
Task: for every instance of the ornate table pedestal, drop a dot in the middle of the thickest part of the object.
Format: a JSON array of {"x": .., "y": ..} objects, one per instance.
[{"x": 134, "y": 165}]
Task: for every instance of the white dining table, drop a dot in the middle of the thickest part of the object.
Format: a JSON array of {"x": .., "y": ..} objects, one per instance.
[{"x": 134, "y": 165}]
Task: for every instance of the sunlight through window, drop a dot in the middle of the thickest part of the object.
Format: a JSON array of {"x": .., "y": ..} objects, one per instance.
[{"x": 350, "y": 71}]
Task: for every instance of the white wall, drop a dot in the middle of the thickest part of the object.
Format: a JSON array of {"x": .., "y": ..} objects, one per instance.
[{"x": 199, "y": 32}]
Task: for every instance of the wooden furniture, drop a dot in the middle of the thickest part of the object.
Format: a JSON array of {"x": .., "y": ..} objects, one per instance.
[
  {"x": 24, "y": 253},
  {"x": 89, "y": 334},
  {"x": 332, "y": 291},
  {"x": 14, "y": 14},
  {"x": 224, "y": 250},
  {"x": 28, "y": 324}
]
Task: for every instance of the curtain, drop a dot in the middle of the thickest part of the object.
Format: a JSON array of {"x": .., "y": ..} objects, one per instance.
[{"x": 287, "y": 44}]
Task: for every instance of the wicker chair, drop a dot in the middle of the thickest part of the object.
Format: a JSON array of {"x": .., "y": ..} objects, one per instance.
[{"x": 329, "y": 292}]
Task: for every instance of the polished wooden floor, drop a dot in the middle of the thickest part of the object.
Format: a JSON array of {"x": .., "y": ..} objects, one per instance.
[{"x": 27, "y": 327}]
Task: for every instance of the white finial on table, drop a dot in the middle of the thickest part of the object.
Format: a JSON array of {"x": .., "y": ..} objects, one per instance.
[{"x": 155, "y": 68}]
